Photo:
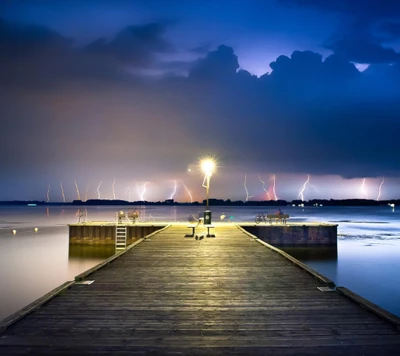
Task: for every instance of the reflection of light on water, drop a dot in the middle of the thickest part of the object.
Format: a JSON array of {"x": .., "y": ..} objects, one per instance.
[{"x": 174, "y": 214}]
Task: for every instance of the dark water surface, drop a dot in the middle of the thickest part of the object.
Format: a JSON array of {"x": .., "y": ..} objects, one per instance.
[{"x": 366, "y": 261}]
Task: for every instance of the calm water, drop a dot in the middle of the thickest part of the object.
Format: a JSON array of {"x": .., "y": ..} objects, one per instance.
[{"x": 367, "y": 260}]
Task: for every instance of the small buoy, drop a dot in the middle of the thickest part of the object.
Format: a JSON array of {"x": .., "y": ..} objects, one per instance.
[
  {"x": 36, "y": 229},
  {"x": 14, "y": 232}
]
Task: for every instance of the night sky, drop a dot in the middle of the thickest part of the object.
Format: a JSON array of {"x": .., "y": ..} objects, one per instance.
[{"x": 139, "y": 91}]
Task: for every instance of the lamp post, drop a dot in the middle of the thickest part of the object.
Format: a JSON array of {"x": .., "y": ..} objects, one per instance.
[{"x": 207, "y": 165}]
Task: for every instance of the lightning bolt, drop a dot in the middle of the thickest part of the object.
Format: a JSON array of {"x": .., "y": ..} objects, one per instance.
[
  {"x": 113, "y": 190},
  {"x": 265, "y": 190},
  {"x": 188, "y": 191},
  {"x": 87, "y": 192},
  {"x": 62, "y": 192},
  {"x": 273, "y": 188},
  {"x": 245, "y": 188},
  {"x": 312, "y": 185},
  {"x": 303, "y": 188},
  {"x": 48, "y": 194},
  {"x": 174, "y": 191},
  {"x": 128, "y": 190},
  {"x": 77, "y": 190},
  {"x": 362, "y": 188},
  {"x": 380, "y": 188},
  {"x": 142, "y": 191},
  {"x": 98, "y": 190}
]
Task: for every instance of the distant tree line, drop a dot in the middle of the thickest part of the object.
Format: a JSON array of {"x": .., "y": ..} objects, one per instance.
[{"x": 214, "y": 202}]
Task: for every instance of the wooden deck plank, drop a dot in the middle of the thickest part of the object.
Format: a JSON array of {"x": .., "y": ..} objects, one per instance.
[{"x": 222, "y": 295}]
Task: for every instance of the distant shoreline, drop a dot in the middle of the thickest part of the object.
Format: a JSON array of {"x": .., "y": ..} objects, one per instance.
[{"x": 212, "y": 202}]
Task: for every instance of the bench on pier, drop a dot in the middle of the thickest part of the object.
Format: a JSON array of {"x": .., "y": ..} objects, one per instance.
[
  {"x": 194, "y": 226},
  {"x": 278, "y": 217}
]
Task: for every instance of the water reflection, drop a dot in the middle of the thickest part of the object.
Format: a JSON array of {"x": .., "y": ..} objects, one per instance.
[{"x": 317, "y": 253}]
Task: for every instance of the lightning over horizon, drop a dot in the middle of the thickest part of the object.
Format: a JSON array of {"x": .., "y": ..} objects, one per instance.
[
  {"x": 142, "y": 191},
  {"x": 245, "y": 188},
  {"x": 188, "y": 191},
  {"x": 174, "y": 191},
  {"x": 304, "y": 186},
  {"x": 87, "y": 192},
  {"x": 263, "y": 186},
  {"x": 62, "y": 191},
  {"x": 48, "y": 194},
  {"x": 380, "y": 189},
  {"x": 274, "y": 187},
  {"x": 77, "y": 190},
  {"x": 98, "y": 190},
  {"x": 128, "y": 190},
  {"x": 363, "y": 189},
  {"x": 113, "y": 188}
]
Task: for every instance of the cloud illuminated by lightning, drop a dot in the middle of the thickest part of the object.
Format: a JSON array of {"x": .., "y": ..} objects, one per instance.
[
  {"x": 174, "y": 191},
  {"x": 98, "y": 190},
  {"x": 77, "y": 190},
  {"x": 113, "y": 188},
  {"x": 62, "y": 192},
  {"x": 380, "y": 188},
  {"x": 141, "y": 191},
  {"x": 48, "y": 194},
  {"x": 265, "y": 190},
  {"x": 188, "y": 191},
  {"x": 245, "y": 188},
  {"x": 274, "y": 188},
  {"x": 363, "y": 189}
]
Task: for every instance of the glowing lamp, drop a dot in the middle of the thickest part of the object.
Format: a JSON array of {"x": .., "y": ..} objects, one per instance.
[
  {"x": 14, "y": 232},
  {"x": 36, "y": 229},
  {"x": 207, "y": 166}
]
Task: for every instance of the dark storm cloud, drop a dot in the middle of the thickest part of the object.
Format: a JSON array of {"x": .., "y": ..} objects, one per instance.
[
  {"x": 390, "y": 29},
  {"x": 18, "y": 41},
  {"x": 37, "y": 56},
  {"x": 313, "y": 115},
  {"x": 363, "y": 50},
  {"x": 222, "y": 63},
  {"x": 363, "y": 40},
  {"x": 358, "y": 8},
  {"x": 134, "y": 45}
]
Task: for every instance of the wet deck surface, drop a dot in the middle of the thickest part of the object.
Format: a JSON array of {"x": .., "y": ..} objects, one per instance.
[{"x": 181, "y": 296}]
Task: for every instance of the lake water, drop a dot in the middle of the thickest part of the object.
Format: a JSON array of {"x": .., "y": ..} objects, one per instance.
[{"x": 367, "y": 260}]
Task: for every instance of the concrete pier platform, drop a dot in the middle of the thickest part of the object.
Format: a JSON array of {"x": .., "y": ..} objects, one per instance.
[
  {"x": 278, "y": 234},
  {"x": 103, "y": 232},
  {"x": 294, "y": 234}
]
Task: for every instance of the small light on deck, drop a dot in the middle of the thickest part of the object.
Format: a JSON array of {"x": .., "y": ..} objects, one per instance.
[
  {"x": 326, "y": 289},
  {"x": 36, "y": 229},
  {"x": 14, "y": 232},
  {"x": 84, "y": 282}
]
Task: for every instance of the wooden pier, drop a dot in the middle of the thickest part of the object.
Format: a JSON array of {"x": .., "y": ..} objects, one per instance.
[{"x": 228, "y": 295}]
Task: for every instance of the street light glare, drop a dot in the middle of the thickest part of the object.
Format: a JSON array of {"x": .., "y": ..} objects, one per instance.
[{"x": 207, "y": 165}]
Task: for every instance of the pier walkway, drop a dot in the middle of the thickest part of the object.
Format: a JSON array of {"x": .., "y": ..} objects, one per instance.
[{"x": 228, "y": 295}]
